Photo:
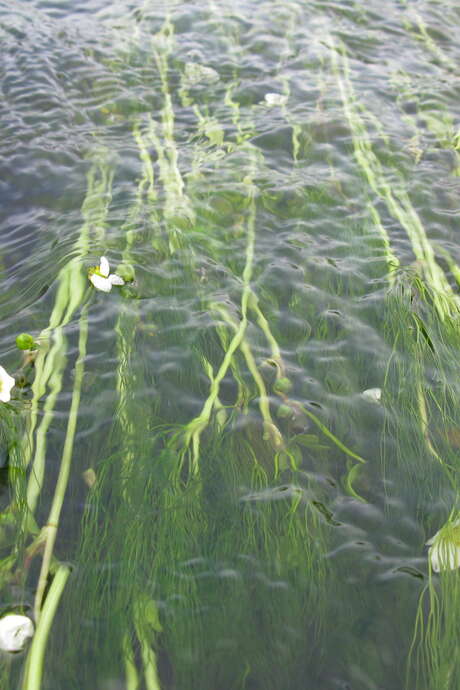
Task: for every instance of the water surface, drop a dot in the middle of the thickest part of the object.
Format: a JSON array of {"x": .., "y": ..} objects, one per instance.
[{"x": 281, "y": 182}]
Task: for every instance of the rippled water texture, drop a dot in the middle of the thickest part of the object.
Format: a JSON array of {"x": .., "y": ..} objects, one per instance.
[{"x": 223, "y": 474}]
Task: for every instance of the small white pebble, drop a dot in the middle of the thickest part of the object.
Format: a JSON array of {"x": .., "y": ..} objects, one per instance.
[
  {"x": 15, "y": 630},
  {"x": 275, "y": 99},
  {"x": 372, "y": 394}
]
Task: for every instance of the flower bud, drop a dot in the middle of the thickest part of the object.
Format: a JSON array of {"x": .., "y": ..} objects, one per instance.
[{"x": 24, "y": 341}]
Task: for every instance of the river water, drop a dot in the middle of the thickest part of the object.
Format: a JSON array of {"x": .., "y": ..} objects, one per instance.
[{"x": 223, "y": 473}]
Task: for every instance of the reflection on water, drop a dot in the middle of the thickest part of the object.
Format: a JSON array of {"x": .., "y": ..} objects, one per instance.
[{"x": 222, "y": 473}]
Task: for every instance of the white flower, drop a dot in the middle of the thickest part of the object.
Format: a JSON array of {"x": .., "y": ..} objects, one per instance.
[
  {"x": 14, "y": 632},
  {"x": 272, "y": 99},
  {"x": 372, "y": 394},
  {"x": 101, "y": 277},
  {"x": 444, "y": 551},
  {"x": 6, "y": 384}
]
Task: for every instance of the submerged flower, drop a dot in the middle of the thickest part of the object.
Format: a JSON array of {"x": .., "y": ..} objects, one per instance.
[
  {"x": 15, "y": 630},
  {"x": 372, "y": 394},
  {"x": 199, "y": 74},
  {"x": 272, "y": 99},
  {"x": 444, "y": 551},
  {"x": 6, "y": 384},
  {"x": 101, "y": 277}
]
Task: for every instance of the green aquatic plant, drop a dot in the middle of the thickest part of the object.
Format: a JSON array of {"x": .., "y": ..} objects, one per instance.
[
  {"x": 238, "y": 387},
  {"x": 48, "y": 533},
  {"x": 71, "y": 292},
  {"x": 396, "y": 198},
  {"x": 432, "y": 658},
  {"x": 146, "y": 600},
  {"x": 49, "y": 367},
  {"x": 33, "y": 673}
]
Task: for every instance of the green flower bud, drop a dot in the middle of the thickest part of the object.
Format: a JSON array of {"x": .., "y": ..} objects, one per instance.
[
  {"x": 126, "y": 271},
  {"x": 24, "y": 341},
  {"x": 284, "y": 412},
  {"x": 282, "y": 385}
]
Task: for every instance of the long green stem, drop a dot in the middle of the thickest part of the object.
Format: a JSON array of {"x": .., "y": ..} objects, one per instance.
[
  {"x": 197, "y": 425},
  {"x": 51, "y": 361},
  {"x": 36, "y": 657},
  {"x": 398, "y": 202},
  {"x": 271, "y": 431},
  {"x": 61, "y": 486}
]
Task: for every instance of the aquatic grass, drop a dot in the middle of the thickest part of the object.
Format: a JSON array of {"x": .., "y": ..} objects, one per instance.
[
  {"x": 51, "y": 358},
  {"x": 195, "y": 428},
  {"x": 276, "y": 355},
  {"x": 271, "y": 431},
  {"x": 183, "y": 570},
  {"x": 147, "y": 555},
  {"x": 415, "y": 351},
  {"x": 13, "y": 421},
  {"x": 177, "y": 210},
  {"x": 433, "y": 655},
  {"x": 72, "y": 292},
  {"x": 425, "y": 457},
  {"x": 441, "y": 123},
  {"x": 49, "y": 367},
  {"x": 282, "y": 539},
  {"x": 416, "y": 27},
  {"x": 125, "y": 328},
  {"x": 397, "y": 200}
]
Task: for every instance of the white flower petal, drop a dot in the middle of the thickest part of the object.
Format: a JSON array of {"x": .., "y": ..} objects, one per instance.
[
  {"x": 14, "y": 632},
  {"x": 444, "y": 556},
  {"x": 116, "y": 280},
  {"x": 272, "y": 99},
  {"x": 6, "y": 384},
  {"x": 444, "y": 551},
  {"x": 101, "y": 283},
  {"x": 372, "y": 394},
  {"x": 104, "y": 267}
]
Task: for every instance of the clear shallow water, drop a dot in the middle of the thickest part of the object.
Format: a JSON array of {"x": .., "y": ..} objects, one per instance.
[{"x": 243, "y": 531}]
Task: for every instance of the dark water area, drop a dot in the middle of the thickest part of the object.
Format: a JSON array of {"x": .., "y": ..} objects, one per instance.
[{"x": 223, "y": 472}]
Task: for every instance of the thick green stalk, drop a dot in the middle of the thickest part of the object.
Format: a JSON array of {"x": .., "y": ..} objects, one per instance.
[
  {"x": 51, "y": 361},
  {"x": 51, "y": 527},
  {"x": 36, "y": 657}
]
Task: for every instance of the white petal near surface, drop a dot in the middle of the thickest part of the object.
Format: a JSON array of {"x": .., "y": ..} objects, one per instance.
[
  {"x": 104, "y": 267},
  {"x": 101, "y": 283},
  {"x": 116, "y": 280},
  {"x": 273, "y": 99},
  {"x": 444, "y": 551},
  {"x": 15, "y": 630},
  {"x": 372, "y": 394},
  {"x": 6, "y": 384}
]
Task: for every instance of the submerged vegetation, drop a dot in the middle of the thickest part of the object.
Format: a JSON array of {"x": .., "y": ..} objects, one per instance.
[{"x": 228, "y": 468}]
